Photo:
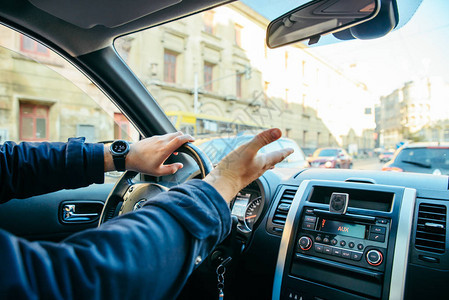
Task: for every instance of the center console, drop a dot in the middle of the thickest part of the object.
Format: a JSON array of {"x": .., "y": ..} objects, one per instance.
[{"x": 341, "y": 241}]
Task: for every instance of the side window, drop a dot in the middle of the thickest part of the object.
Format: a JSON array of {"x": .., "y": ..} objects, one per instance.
[{"x": 44, "y": 98}]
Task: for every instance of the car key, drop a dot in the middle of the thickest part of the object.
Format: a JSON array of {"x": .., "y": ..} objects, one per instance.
[{"x": 221, "y": 269}]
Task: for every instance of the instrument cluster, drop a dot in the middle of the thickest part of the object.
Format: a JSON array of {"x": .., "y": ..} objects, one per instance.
[{"x": 247, "y": 206}]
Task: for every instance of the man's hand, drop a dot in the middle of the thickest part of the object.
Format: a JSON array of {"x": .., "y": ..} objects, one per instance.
[
  {"x": 148, "y": 155},
  {"x": 243, "y": 165}
]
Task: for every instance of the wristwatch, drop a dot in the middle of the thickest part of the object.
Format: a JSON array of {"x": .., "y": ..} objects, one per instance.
[{"x": 119, "y": 149}]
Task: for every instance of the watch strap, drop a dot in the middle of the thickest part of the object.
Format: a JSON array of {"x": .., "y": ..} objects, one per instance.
[{"x": 119, "y": 162}]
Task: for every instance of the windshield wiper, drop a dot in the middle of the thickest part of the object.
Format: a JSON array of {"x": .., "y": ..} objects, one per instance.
[{"x": 417, "y": 163}]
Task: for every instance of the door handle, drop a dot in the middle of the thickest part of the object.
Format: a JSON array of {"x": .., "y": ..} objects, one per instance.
[{"x": 70, "y": 215}]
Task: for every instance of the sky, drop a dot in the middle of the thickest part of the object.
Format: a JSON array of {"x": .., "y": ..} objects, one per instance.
[{"x": 416, "y": 50}]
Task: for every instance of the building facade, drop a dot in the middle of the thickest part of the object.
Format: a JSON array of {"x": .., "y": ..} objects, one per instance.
[{"x": 415, "y": 112}]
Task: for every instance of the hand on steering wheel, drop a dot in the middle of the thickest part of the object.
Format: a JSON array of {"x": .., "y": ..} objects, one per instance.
[{"x": 149, "y": 155}]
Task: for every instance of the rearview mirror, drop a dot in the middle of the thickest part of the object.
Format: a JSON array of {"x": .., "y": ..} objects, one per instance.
[{"x": 319, "y": 17}]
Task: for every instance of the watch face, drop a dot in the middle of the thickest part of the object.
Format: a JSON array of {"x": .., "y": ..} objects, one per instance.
[{"x": 119, "y": 147}]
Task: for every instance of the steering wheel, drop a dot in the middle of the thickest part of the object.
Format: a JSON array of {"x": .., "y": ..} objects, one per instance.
[{"x": 127, "y": 195}]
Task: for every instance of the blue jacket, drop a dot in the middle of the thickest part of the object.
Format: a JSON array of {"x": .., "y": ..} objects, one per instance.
[{"x": 147, "y": 254}]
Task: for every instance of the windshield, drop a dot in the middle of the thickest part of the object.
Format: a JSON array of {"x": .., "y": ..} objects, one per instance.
[{"x": 215, "y": 78}]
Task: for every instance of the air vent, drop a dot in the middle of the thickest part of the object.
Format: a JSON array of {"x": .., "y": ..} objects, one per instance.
[
  {"x": 431, "y": 228},
  {"x": 280, "y": 216}
]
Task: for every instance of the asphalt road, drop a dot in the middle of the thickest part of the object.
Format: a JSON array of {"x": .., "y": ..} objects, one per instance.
[{"x": 367, "y": 164}]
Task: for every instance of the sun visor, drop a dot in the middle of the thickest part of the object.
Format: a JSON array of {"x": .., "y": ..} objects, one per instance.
[{"x": 109, "y": 13}]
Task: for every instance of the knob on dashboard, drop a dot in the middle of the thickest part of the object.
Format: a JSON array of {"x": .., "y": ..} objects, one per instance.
[
  {"x": 305, "y": 243},
  {"x": 374, "y": 257}
]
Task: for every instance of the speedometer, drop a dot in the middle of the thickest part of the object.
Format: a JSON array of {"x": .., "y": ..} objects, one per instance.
[{"x": 252, "y": 212}]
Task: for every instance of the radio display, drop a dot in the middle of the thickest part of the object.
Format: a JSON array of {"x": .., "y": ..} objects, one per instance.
[{"x": 341, "y": 228}]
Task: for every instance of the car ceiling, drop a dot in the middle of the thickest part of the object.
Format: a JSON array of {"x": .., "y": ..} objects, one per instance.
[{"x": 83, "y": 26}]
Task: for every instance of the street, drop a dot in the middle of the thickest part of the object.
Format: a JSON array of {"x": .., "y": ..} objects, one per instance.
[{"x": 371, "y": 163}]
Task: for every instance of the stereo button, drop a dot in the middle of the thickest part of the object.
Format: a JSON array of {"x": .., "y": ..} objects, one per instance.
[
  {"x": 336, "y": 252},
  {"x": 360, "y": 246},
  {"x": 346, "y": 254},
  {"x": 319, "y": 248},
  {"x": 378, "y": 229},
  {"x": 342, "y": 243},
  {"x": 318, "y": 239},
  {"x": 305, "y": 243},
  {"x": 356, "y": 255},
  {"x": 374, "y": 257},
  {"x": 382, "y": 221},
  {"x": 377, "y": 237},
  {"x": 326, "y": 240},
  {"x": 310, "y": 219},
  {"x": 307, "y": 225},
  {"x": 334, "y": 242},
  {"x": 351, "y": 244},
  {"x": 327, "y": 250}
]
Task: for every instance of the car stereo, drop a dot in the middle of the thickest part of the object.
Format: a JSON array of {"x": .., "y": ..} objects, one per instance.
[
  {"x": 345, "y": 253},
  {"x": 352, "y": 239}
]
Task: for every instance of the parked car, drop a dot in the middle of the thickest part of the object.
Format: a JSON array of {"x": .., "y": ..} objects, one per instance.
[
  {"x": 385, "y": 156},
  {"x": 217, "y": 148},
  {"x": 330, "y": 158},
  {"x": 431, "y": 158}
]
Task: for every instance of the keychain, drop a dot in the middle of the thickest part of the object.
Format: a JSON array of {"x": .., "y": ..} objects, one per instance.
[{"x": 221, "y": 269}]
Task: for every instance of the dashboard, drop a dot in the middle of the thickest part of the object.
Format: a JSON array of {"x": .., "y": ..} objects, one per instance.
[{"x": 342, "y": 234}]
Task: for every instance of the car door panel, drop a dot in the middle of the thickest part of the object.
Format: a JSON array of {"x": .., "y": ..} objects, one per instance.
[{"x": 41, "y": 217}]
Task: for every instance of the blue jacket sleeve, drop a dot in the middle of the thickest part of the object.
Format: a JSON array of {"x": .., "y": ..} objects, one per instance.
[
  {"x": 147, "y": 254},
  {"x": 29, "y": 169}
]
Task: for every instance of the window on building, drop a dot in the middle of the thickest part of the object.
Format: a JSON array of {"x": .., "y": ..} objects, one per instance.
[
  {"x": 31, "y": 46},
  {"x": 87, "y": 131},
  {"x": 435, "y": 135},
  {"x": 238, "y": 34},
  {"x": 209, "y": 22},
  {"x": 170, "y": 66},
  {"x": 33, "y": 122},
  {"x": 122, "y": 127},
  {"x": 238, "y": 85},
  {"x": 208, "y": 76},
  {"x": 446, "y": 135}
]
